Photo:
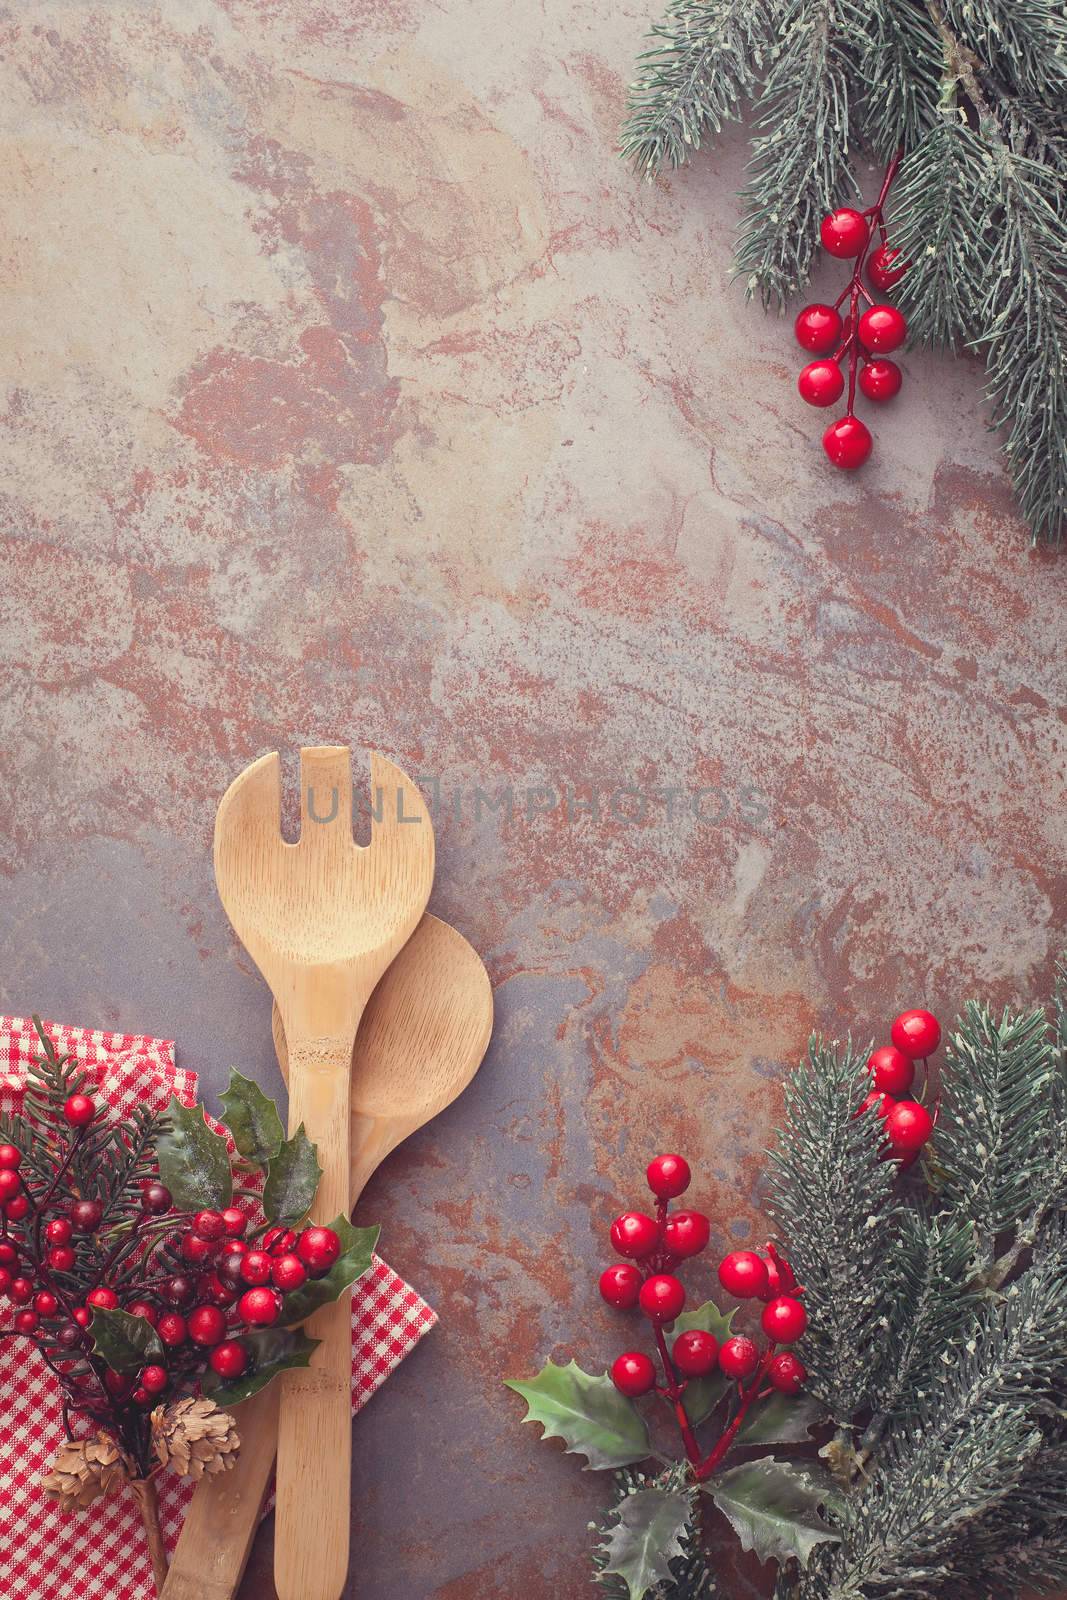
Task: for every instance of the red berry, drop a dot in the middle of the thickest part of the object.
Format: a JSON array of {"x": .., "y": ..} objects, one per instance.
[
  {"x": 818, "y": 328},
  {"x": 196, "y": 1249},
  {"x": 141, "y": 1397},
  {"x": 154, "y": 1379},
  {"x": 279, "y": 1241},
  {"x": 258, "y": 1307},
  {"x": 885, "y": 267},
  {"x": 884, "y": 1102},
  {"x": 695, "y": 1353},
  {"x": 142, "y": 1308},
  {"x": 633, "y": 1373},
  {"x": 883, "y": 328},
  {"x": 780, "y": 1275},
  {"x": 743, "y": 1273},
  {"x": 206, "y": 1325},
  {"x": 234, "y": 1222},
  {"x": 229, "y": 1359},
  {"x": 5, "y": 1279},
  {"x": 881, "y": 379},
  {"x": 171, "y": 1328},
  {"x": 686, "y": 1233},
  {"x": 634, "y": 1234},
  {"x": 821, "y": 383},
  {"x": 82, "y": 1316},
  {"x": 61, "y": 1259},
  {"x": 209, "y": 1224},
  {"x": 228, "y": 1265},
  {"x": 288, "y": 1273},
  {"x": 26, "y": 1321},
  {"x": 58, "y": 1231},
  {"x": 45, "y": 1303},
  {"x": 255, "y": 1267},
  {"x": 318, "y": 1249},
  {"x": 221, "y": 1292},
  {"x": 668, "y": 1176},
  {"x": 847, "y": 442},
  {"x": 79, "y": 1110},
  {"x": 908, "y": 1125},
  {"x": 10, "y": 1183},
  {"x": 620, "y": 1285},
  {"x": 21, "y": 1291},
  {"x": 738, "y": 1357},
  {"x": 10, "y": 1156},
  {"x": 17, "y": 1208},
  {"x": 891, "y": 1070},
  {"x": 103, "y": 1297},
  {"x": 784, "y": 1319},
  {"x": 786, "y": 1372},
  {"x": 661, "y": 1297},
  {"x": 8, "y": 1253},
  {"x": 117, "y": 1384},
  {"x": 179, "y": 1290},
  {"x": 69, "y": 1336},
  {"x": 916, "y": 1033},
  {"x": 86, "y": 1215},
  {"x": 155, "y": 1197},
  {"x": 843, "y": 232}
]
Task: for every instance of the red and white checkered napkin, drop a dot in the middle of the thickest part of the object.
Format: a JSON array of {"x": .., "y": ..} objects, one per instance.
[{"x": 100, "y": 1554}]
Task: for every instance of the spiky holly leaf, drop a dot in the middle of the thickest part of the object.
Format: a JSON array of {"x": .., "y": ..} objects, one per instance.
[
  {"x": 646, "y": 1538},
  {"x": 252, "y": 1118},
  {"x": 783, "y": 1419},
  {"x": 126, "y": 1343},
  {"x": 702, "y": 1395},
  {"x": 357, "y": 1252},
  {"x": 194, "y": 1163},
  {"x": 293, "y": 1175},
  {"x": 773, "y": 1508},
  {"x": 272, "y": 1350},
  {"x": 588, "y": 1413}
]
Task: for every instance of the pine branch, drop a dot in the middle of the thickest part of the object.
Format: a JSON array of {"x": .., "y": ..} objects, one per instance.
[
  {"x": 1023, "y": 41},
  {"x": 931, "y": 1306},
  {"x": 898, "y": 59},
  {"x": 938, "y": 194}
]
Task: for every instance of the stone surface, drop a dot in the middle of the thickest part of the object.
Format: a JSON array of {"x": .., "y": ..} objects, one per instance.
[{"x": 353, "y": 390}]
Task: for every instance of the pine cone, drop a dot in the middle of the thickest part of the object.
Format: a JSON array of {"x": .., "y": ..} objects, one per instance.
[
  {"x": 86, "y": 1470},
  {"x": 194, "y": 1437}
]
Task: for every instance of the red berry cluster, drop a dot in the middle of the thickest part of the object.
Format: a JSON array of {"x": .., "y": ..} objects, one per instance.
[
  {"x": 866, "y": 338},
  {"x": 908, "y": 1124},
  {"x": 656, "y": 1246}
]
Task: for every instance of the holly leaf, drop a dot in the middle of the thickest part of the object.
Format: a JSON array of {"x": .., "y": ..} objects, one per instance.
[
  {"x": 272, "y": 1350},
  {"x": 126, "y": 1343},
  {"x": 773, "y": 1508},
  {"x": 702, "y": 1395},
  {"x": 783, "y": 1419},
  {"x": 646, "y": 1538},
  {"x": 357, "y": 1251},
  {"x": 252, "y": 1118},
  {"x": 588, "y": 1413},
  {"x": 292, "y": 1178},
  {"x": 194, "y": 1163}
]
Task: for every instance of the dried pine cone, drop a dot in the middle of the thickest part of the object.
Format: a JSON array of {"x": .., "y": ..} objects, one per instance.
[
  {"x": 86, "y": 1470},
  {"x": 194, "y": 1437}
]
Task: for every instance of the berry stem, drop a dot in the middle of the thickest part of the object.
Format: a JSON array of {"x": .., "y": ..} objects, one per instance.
[
  {"x": 855, "y": 286},
  {"x": 673, "y": 1392},
  {"x": 714, "y": 1458}
]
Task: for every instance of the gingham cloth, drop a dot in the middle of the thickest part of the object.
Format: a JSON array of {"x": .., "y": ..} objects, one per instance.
[{"x": 100, "y": 1554}]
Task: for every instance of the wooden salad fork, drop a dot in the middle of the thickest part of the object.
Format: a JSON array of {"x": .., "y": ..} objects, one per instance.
[
  {"x": 421, "y": 1040},
  {"x": 322, "y": 919}
]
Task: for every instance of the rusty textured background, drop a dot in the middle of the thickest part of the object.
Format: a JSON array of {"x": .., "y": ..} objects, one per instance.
[{"x": 353, "y": 390}]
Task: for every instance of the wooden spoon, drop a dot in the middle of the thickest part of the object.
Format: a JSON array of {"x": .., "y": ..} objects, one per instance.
[
  {"x": 322, "y": 919},
  {"x": 420, "y": 1042}
]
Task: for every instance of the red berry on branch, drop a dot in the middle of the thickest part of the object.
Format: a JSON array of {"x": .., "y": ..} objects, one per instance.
[
  {"x": 780, "y": 1275},
  {"x": 234, "y": 1222},
  {"x": 784, "y": 1319},
  {"x": 786, "y": 1373},
  {"x": 195, "y": 1249},
  {"x": 17, "y": 1208},
  {"x": 45, "y": 1303},
  {"x": 885, "y": 267},
  {"x": 288, "y": 1273},
  {"x": 633, "y": 1373},
  {"x": 738, "y": 1357},
  {"x": 142, "y": 1308},
  {"x": 61, "y": 1258},
  {"x": 695, "y": 1352},
  {"x": 79, "y": 1110},
  {"x": 318, "y": 1249},
  {"x": 10, "y": 1157},
  {"x": 228, "y": 1266},
  {"x": 10, "y": 1183},
  {"x": 141, "y": 1397},
  {"x": 821, "y": 383},
  {"x": 259, "y": 1307},
  {"x": 668, "y": 1177},
  {"x": 8, "y": 1253},
  {"x": 21, "y": 1291},
  {"x": 117, "y": 1384},
  {"x": 209, "y": 1225},
  {"x": 686, "y": 1233},
  {"x": 229, "y": 1359},
  {"x": 818, "y": 328},
  {"x": 909, "y": 1125},
  {"x": 743, "y": 1273},
  {"x": 883, "y": 328},
  {"x": 26, "y": 1322},
  {"x": 86, "y": 1215},
  {"x": 206, "y": 1325},
  {"x": 884, "y": 1103},
  {"x": 179, "y": 1290},
  {"x": 844, "y": 232},
  {"x": 255, "y": 1267},
  {"x": 221, "y": 1292},
  {"x": 58, "y": 1231},
  {"x": 847, "y": 442},
  {"x": 155, "y": 1197},
  {"x": 634, "y": 1234},
  {"x": 82, "y": 1316},
  {"x": 620, "y": 1285},
  {"x": 891, "y": 1070},
  {"x": 279, "y": 1241},
  {"x": 154, "y": 1379},
  {"x": 171, "y": 1328},
  {"x": 916, "y": 1033},
  {"x": 5, "y": 1280},
  {"x": 661, "y": 1297},
  {"x": 103, "y": 1297},
  {"x": 69, "y": 1336},
  {"x": 881, "y": 379}
]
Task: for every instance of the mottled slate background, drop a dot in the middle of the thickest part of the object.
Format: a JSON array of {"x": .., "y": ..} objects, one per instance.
[{"x": 353, "y": 390}]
